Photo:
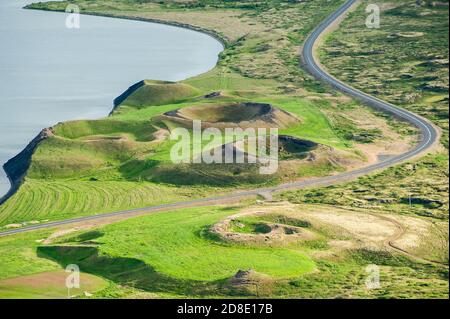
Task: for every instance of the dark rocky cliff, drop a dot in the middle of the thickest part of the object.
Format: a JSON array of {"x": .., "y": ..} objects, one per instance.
[{"x": 16, "y": 168}]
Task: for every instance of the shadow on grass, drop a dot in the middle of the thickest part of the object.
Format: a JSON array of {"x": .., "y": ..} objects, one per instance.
[
  {"x": 129, "y": 271},
  {"x": 86, "y": 238}
]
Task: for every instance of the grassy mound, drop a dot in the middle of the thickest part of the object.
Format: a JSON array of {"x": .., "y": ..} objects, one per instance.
[
  {"x": 91, "y": 166},
  {"x": 171, "y": 255},
  {"x": 78, "y": 148},
  {"x": 171, "y": 244},
  {"x": 159, "y": 93},
  {"x": 138, "y": 130},
  {"x": 234, "y": 114},
  {"x": 249, "y": 282},
  {"x": 261, "y": 228},
  {"x": 59, "y": 157}
]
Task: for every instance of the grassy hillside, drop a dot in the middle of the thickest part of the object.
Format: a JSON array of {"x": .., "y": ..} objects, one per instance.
[
  {"x": 123, "y": 161},
  {"x": 90, "y": 166},
  {"x": 405, "y": 61},
  {"x": 159, "y": 93},
  {"x": 117, "y": 163},
  {"x": 176, "y": 254}
]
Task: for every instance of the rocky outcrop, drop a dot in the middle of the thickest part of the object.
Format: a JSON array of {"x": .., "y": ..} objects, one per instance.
[
  {"x": 16, "y": 168},
  {"x": 122, "y": 97},
  {"x": 213, "y": 95}
]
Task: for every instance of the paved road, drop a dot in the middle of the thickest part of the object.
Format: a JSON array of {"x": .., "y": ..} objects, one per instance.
[{"x": 427, "y": 131}]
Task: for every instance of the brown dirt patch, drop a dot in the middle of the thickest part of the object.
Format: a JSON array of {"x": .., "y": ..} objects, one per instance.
[{"x": 49, "y": 285}]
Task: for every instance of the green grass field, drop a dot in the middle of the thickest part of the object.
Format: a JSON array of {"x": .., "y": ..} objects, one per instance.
[
  {"x": 26, "y": 275},
  {"x": 49, "y": 285},
  {"x": 120, "y": 162},
  {"x": 39, "y": 201},
  {"x": 172, "y": 254},
  {"x": 19, "y": 255},
  {"x": 180, "y": 250}
]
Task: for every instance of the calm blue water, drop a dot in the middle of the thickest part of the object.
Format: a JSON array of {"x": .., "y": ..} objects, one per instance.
[{"x": 49, "y": 73}]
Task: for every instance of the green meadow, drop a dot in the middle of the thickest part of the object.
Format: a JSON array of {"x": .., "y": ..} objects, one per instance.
[
  {"x": 193, "y": 255},
  {"x": 173, "y": 254},
  {"x": 123, "y": 162},
  {"x": 97, "y": 166}
]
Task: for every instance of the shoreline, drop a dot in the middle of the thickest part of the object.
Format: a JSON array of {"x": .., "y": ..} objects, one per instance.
[
  {"x": 24, "y": 157},
  {"x": 308, "y": 62}
]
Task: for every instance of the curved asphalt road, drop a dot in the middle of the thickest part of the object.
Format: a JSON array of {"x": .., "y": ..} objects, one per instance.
[{"x": 428, "y": 136}]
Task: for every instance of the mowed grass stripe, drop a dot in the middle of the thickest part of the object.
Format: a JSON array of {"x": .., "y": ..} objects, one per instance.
[{"x": 54, "y": 200}]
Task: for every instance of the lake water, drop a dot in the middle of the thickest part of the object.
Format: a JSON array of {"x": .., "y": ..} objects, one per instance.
[{"x": 49, "y": 73}]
